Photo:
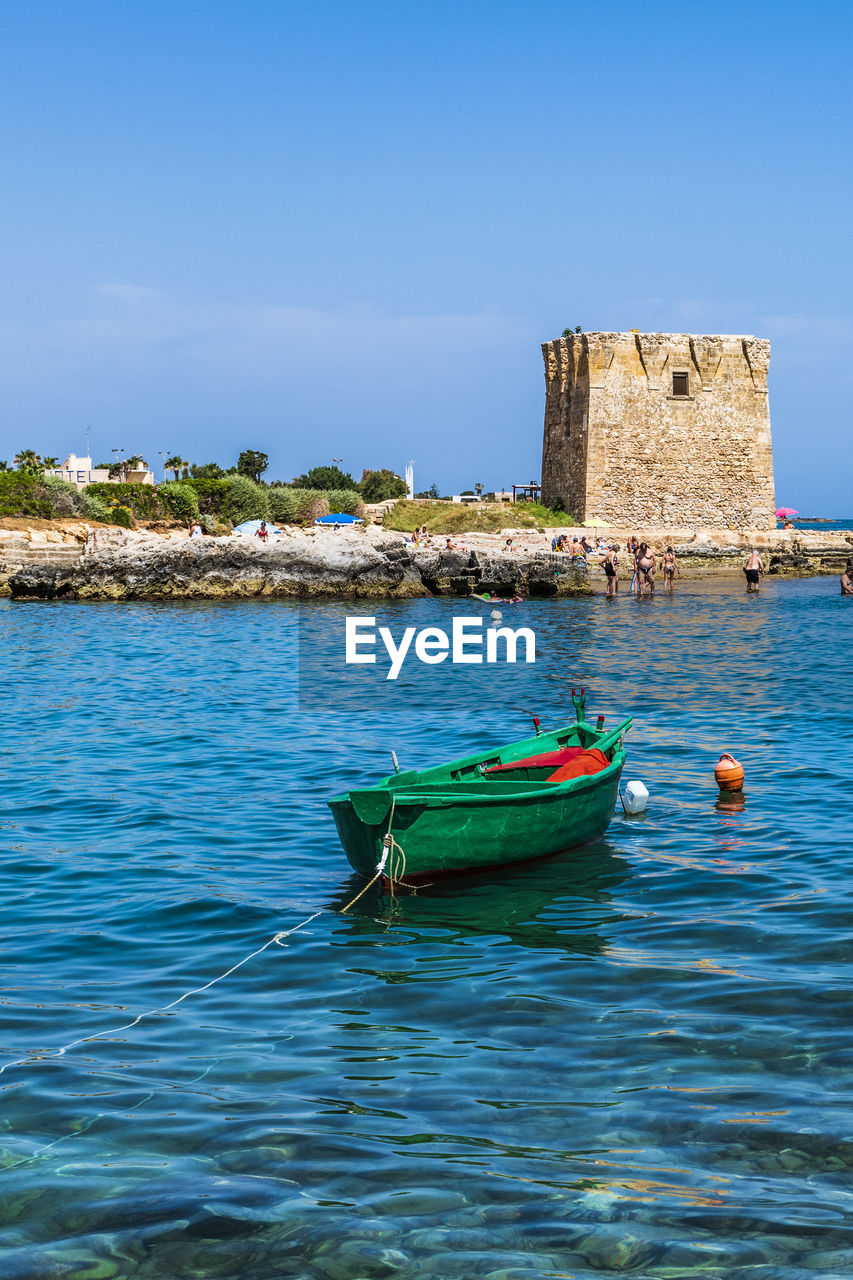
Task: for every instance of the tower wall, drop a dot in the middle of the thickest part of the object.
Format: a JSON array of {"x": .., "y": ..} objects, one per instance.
[{"x": 626, "y": 444}]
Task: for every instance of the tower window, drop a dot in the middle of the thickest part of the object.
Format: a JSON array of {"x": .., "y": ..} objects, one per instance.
[{"x": 679, "y": 384}]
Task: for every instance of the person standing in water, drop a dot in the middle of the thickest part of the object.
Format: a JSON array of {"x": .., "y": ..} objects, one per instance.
[
  {"x": 611, "y": 569},
  {"x": 670, "y": 568},
  {"x": 753, "y": 569},
  {"x": 645, "y": 569},
  {"x": 847, "y": 580},
  {"x": 633, "y": 549}
]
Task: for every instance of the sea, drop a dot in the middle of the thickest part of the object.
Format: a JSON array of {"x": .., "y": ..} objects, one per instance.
[
  {"x": 820, "y": 524},
  {"x": 218, "y": 1060}
]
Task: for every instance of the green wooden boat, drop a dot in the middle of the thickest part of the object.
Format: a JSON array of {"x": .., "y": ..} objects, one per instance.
[{"x": 469, "y": 815}]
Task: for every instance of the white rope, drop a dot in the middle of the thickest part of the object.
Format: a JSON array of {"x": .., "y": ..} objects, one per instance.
[
  {"x": 389, "y": 846},
  {"x": 277, "y": 938}
]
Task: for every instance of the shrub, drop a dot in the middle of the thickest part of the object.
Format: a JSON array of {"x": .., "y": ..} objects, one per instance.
[
  {"x": 284, "y": 504},
  {"x": 346, "y": 501},
  {"x": 179, "y": 499},
  {"x": 22, "y": 495},
  {"x": 65, "y": 499},
  {"x": 212, "y": 493},
  {"x": 95, "y": 508},
  {"x": 120, "y": 514},
  {"x": 549, "y": 516},
  {"x": 481, "y": 517},
  {"x": 302, "y": 506},
  {"x": 142, "y": 499},
  {"x": 246, "y": 501},
  {"x": 315, "y": 506}
]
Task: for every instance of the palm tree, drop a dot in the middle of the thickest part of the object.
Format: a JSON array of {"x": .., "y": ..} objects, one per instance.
[
  {"x": 29, "y": 461},
  {"x": 50, "y": 464},
  {"x": 176, "y": 464}
]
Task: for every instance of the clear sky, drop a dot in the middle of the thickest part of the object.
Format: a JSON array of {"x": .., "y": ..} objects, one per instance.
[{"x": 343, "y": 230}]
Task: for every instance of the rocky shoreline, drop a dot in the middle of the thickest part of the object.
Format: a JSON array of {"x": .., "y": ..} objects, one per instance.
[
  {"x": 344, "y": 565},
  {"x": 81, "y": 562}
]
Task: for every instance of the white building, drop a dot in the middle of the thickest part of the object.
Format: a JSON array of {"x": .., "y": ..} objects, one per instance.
[{"x": 79, "y": 471}]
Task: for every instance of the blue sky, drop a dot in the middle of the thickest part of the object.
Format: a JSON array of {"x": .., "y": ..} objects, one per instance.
[{"x": 344, "y": 230}]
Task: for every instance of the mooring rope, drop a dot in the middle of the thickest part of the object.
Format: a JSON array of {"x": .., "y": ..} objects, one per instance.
[{"x": 389, "y": 844}]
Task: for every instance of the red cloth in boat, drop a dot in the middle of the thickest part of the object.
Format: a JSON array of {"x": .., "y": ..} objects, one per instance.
[
  {"x": 592, "y": 761},
  {"x": 548, "y": 759}
]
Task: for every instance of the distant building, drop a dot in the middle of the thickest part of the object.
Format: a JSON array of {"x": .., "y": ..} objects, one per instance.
[
  {"x": 79, "y": 471},
  {"x": 666, "y": 429}
]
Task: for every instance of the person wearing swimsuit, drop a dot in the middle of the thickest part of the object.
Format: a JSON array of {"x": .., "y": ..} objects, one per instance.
[
  {"x": 753, "y": 570},
  {"x": 611, "y": 570},
  {"x": 670, "y": 567},
  {"x": 632, "y": 546},
  {"x": 645, "y": 569}
]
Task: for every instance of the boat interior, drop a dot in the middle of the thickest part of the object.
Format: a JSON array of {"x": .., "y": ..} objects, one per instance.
[{"x": 522, "y": 766}]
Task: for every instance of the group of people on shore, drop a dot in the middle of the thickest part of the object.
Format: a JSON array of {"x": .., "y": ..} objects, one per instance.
[
  {"x": 644, "y": 564},
  {"x": 641, "y": 557}
]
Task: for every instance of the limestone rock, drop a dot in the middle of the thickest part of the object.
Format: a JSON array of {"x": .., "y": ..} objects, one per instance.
[{"x": 126, "y": 565}]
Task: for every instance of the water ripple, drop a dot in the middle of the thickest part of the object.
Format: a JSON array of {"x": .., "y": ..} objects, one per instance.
[{"x": 631, "y": 1059}]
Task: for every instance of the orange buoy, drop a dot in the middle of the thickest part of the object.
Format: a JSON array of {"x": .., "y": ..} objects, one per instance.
[{"x": 728, "y": 773}]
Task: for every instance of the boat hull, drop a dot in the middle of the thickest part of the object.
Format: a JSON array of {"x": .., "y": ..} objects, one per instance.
[{"x": 441, "y": 831}]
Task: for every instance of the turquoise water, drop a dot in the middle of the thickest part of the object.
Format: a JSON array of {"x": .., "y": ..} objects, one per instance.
[
  {"x": 825, "y": 526},
  {"x": 632, "y": 1059}
]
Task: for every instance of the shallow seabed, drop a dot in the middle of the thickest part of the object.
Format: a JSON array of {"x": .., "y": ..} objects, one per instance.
[{"x": 632, "y": 1059}]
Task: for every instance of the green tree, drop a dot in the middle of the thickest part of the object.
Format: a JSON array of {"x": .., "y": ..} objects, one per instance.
[
  {"x": 177, "y": 464},
  {"x": 29, "y": 462},
  {"x": 50, "y": 464},
  {"x": 207, "y": 471},
  {"x": 253, "y": 464},
  {"x": 567, "y": 333},
  {"x": 325, "y": 478},
  {"x": 431, "y": 492},
  {"x": 377, "y": 486},
  {"x": 122, "y": 468}
]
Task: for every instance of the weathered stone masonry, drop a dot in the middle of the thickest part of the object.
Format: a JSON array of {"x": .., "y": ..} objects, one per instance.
[{"x": 659, "y": 429}]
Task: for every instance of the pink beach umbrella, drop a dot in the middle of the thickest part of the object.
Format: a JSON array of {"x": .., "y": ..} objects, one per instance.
[{"x": 782, "y": 513}]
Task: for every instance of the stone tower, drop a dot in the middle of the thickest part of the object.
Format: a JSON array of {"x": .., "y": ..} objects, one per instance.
[{"x": 665, "y": 429}]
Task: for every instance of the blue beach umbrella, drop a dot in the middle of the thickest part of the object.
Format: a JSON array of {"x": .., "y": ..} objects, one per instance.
[
  {"x": 339, "y": 518},
  {"x": 251, "y": 527}
]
